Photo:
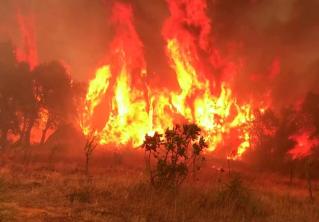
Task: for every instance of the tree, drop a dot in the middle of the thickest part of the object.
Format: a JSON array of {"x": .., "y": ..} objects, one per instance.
[
  {"x": 309, "y": 114},
  {"x": 28, "y": 106},
  {"x": 310, "y": 123},
  {"x": 89, "y": 147},
  {"x": 271, "y": 139},
  {"x": 262, "y": 132},
  {"x": 175, "y": 155},
  {"x": 25, "y": 96},
  {"x": 8, "y": 105},
  {"x": 53, "y": 89}
]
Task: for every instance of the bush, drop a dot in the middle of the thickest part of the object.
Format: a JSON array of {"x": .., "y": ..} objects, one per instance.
[
  {"x": 175, "y": 155},
  {"x": 235, "y": 197},
  {"x": 81, "y": 195}
]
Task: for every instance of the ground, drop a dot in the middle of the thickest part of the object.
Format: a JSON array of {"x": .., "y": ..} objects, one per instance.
[{"x": 43, "y": 188}]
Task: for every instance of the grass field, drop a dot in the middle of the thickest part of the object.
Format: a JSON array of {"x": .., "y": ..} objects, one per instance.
[{"x": 41, "y": 188}]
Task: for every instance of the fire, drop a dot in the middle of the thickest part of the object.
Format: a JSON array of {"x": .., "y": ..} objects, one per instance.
[
  {"x": 129, "y": 119},
  {"x": 97, "y": 89},
  {"x": 28, "y": 50},
  {"x": 137, "y": 108},
  {"x": 304, "y": 145},
  {"x": 186, "y": 77}
]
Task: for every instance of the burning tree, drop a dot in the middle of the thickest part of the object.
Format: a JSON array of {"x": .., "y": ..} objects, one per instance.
[
  {"x": 271, "y": 139},
  {"x": 53, "y": 90},
  {"x": 40, "y": 98},
  {"x": 175, "y": 154},
  {"x": 307, "y": 141},
  {"x": 136, "y": 106}
]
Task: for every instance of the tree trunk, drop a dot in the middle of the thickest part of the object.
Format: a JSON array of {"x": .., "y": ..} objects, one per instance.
[
  {"x": 27, "y": 134},
  {"x": 228, "y": 163},
  {"x": 44, "y": 133},
  {"x": 43, "y": 136},
  {"x": 87, "y": 159},
  {"x": 148, "y": 166},
  {"x": 310, "y": 188},
  {"x": 22, "y": 132},
  {"x": 3, "y": 139},
  {"x": 194, "y": 168},
  {"x": 308, "y": 174},
  {"x": 291, "y": 173}
]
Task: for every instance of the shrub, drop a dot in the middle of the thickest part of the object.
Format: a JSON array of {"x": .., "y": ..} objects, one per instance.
[
  {"x": 80, "y": 195},
  {"x": 175, "y": 155},
  {"x": 238, "y": 199}
]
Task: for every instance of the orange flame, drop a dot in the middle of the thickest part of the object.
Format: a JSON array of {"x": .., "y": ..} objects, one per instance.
[
  {"x": 304, "y": 145},
  {"x": 138, "y": 109},
  {"x": 28, "y": 51}
]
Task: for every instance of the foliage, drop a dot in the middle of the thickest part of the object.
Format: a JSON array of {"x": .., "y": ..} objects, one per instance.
[
  {"x": 309, "y": 113},
  {"x": 29, "y": 97},
  {"x": 271, "y": 139},
  {"x": 8, "y": 103},
  {"x": 237, "y": 198},
  {"x": 53, "y": 90},
  {"x": 175, "y": 154},
  {"x": 81, "y": 195},
  {"x": 274, "y": 134}
]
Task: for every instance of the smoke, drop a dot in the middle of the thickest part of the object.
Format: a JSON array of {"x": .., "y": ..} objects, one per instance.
[
  {"x": 76, "y": 31},
  {"x": 266, "y": 31},
  {"x": 275, "y": 42}
]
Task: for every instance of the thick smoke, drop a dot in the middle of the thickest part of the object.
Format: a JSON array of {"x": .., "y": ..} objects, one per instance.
[{"x": 275, "y": 41}]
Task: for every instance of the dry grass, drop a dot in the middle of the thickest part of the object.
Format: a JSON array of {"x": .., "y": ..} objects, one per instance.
[{"x": 118, "y": 191}]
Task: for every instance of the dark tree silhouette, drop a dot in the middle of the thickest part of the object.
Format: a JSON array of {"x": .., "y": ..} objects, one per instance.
[
  {"x": 28, "y": 107},
  {"x": 271, "y": 139},
  {"x": 309, "y": 113},
  {"x": 8, "y": 102},
  {"x": 53, "y": 90},
  {"x": 175, "y": 155},
  {"x": 25, "y": 94},
  {"x": 310, "y": 122}
]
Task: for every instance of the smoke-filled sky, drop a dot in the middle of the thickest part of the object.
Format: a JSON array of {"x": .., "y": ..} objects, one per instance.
[{"x": 263, "y": 35}]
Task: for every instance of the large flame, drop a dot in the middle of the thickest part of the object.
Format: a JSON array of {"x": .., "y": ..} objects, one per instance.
[
  {"x": 137, "y": 108},
  {"x": 27, "y": 52}
]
